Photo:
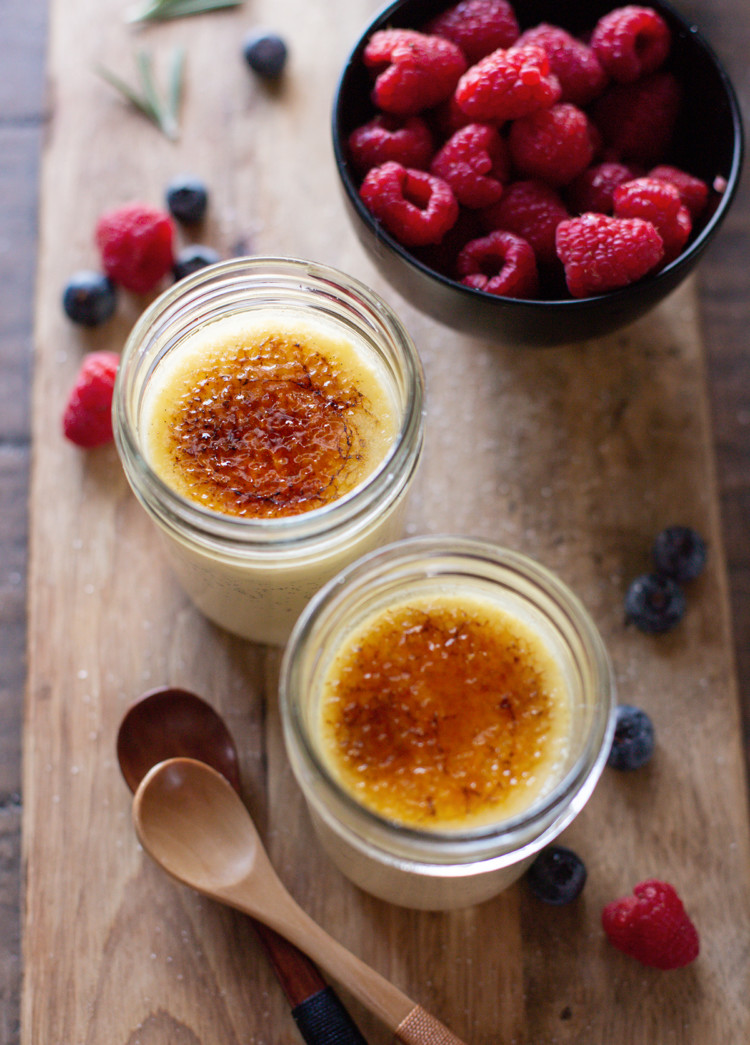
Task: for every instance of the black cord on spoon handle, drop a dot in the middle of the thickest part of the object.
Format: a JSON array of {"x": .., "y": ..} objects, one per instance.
[{"x": 323, "y": 1020}]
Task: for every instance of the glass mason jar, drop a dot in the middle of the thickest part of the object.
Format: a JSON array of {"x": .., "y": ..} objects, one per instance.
[
  {"x": 439, "y": 869},
  {"x": 252, "y": 576}
]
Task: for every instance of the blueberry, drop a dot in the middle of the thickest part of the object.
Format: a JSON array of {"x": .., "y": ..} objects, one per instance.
[
  {"x": 679, "y": 552},
  {"x": 187, "y": 199},
  {"x": 654, "y": 603},
  {"x": 265, "y": 53},
  {"x": 89, "y": 298},
  {"x": 191, "y": 259},
  {"x": 557, "y": 875},
  {"x": 633, "y": 742}
]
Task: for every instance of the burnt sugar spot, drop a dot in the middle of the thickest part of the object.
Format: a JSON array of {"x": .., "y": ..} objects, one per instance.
[{"x": 271, "y": 431}]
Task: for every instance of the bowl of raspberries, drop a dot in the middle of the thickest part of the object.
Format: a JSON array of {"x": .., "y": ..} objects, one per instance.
[{"x": 531, "y": 171}]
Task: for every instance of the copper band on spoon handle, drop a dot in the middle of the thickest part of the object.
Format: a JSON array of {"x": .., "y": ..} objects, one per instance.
[{"x": 420, "y": 1028}]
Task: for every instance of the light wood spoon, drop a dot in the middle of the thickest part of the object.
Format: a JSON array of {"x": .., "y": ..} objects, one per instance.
[{"x": 193, "y": 824}]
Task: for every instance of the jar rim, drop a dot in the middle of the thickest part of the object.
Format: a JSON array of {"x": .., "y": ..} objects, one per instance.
[{"x": 336, "y": 598}]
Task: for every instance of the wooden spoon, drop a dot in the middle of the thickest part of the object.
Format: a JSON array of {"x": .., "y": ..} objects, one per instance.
[
  {"x": 191, "y": 822},
  {"x": 167, "y": 722}
]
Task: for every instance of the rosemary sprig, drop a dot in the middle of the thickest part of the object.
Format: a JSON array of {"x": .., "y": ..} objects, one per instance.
[
  {"x": 146, "y": 99},
  {"x": 161, "y": 10},
  {"x": 176, "y": 80}
]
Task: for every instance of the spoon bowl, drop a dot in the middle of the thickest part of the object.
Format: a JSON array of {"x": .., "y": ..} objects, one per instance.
[
  {"x": 194, "y": 825},
  {"x": 167, "y": 722},
  {"x": 173, "y": 816}
]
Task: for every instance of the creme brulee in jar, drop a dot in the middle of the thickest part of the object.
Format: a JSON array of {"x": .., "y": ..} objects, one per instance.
[
  {"x": 269, "y": 417},
  {"x": 447, "y": 710}
]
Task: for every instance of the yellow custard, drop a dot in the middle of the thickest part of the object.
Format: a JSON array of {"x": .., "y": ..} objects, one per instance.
[
  {"x": 445, "y": 712},
  {"x": 267, "y": 414}
]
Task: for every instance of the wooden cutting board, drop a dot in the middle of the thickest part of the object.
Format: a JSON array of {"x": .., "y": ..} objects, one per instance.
[{"x": 576, "y": 455}]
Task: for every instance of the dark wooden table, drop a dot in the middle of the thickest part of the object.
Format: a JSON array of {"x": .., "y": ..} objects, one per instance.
[{"x": 25, "y": 99}]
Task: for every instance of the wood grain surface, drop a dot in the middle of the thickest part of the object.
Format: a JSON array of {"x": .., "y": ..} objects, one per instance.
[{"x": 576, "y": 455}]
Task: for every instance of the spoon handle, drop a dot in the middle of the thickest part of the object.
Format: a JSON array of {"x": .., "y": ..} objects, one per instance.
[
  {"x": 409, "y": 1022},
  {"x": 297, "y": 975}
]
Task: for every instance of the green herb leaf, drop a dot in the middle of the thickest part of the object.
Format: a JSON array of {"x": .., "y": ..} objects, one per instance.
[
  {"x": 161, "y": 10},
  {"x": 146, "y": 99},
  {"x": 125, "y": 89},
  {"x": 151, "y": 98},
  {"x": 176, "y": 78}
]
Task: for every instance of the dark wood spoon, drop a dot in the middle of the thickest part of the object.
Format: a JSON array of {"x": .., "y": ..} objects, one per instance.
[{"x": 167, "y": 723}]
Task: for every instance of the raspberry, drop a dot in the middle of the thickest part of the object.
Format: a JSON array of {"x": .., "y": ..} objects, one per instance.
[
  {"x": 414, "y": 71},
  {"x": 475, "y": 163},
  {"x": 631, "y": 42},
  {"x": 677, "y": 236},
  {"x": 652, "y": 926},
  {"x": 573, "y": 63},
  {"x": 437, "y": 160},
  {"x": 660, "y": 203},
  {"x": 499, "y": 263},
  {"x": 553, "y": 144},
  {"x": 404, "y": 140},
  {"x": 477, "y": 26},
  {"x": 656, "y": 201},
  {"x": 447, "y": 118},
  {"x": 507, "y": 84},
  {"x": 592, "y": 190},
  {"x": 415, "y": 207},
  {"x": 637, "y": 121},
  {"x": 87, "y": 420},
  {"x": 602, "y": 253},
  {"x": 533, "y": 210},
  {"x": 694, "y": 191},
  {"x": 136, "y": 245},
  {"x": 442, "y": 256}
]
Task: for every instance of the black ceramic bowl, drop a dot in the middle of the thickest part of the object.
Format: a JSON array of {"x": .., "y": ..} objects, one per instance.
[{"x": 708, "y": 144}]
